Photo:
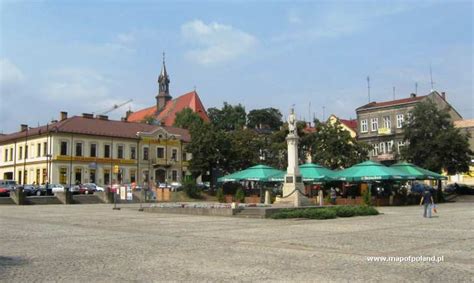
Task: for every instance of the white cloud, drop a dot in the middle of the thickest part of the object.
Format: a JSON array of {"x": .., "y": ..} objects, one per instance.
[
  {"x": 216, "y": 43},
  {"x": 10, "y": 74},
  {"x": 71, "y": 84}
]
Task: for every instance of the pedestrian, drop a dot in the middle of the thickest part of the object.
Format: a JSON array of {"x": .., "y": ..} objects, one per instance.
[
  {"x": 427, "y": 201},
  {"x": 333, "y": 196}
]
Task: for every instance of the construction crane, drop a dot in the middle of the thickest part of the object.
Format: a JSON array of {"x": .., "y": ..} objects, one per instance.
[{"x": 115, "y": 107}]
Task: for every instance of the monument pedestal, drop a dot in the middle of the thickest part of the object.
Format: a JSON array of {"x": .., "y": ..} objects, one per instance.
[{"x": 293, "y": 193}]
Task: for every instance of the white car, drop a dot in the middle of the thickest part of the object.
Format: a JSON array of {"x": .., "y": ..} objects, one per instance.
[
  {"x": 55, "y": 188},
  {"x": 94, "y": 187}
]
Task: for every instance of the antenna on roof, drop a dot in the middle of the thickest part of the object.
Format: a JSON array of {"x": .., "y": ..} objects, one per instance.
[
  {"x": 431, "y": 78},
  {"x": 368, "y": 87},
  {"x": 416, "y": 88},
  {"x": 393, "y": 93},
  {"x": 309, "y": 112}
]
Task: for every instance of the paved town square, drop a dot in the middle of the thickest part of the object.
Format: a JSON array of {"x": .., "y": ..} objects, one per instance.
[{"x": 95, "y": 243}]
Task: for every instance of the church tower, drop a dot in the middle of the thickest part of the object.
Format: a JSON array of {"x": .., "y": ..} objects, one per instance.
[{"x": 164, "y": 88}]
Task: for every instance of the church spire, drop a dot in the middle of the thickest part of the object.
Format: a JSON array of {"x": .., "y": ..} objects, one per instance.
[{"x": 163, "y": 87}]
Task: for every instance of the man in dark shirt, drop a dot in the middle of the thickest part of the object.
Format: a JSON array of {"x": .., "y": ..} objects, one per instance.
[{"x": 427, "y": 201}]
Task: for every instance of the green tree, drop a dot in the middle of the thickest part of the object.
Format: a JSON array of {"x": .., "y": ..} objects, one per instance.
[
  {"x": 433, "y": 142},
  {"x": 228, "y": 118},
  {"x": 186, "y": 118},
  {"x": 246, "y": 148},
  {"x": 270, "y": 118},
  {"x": 333, "y": 147},
  {"x": 209, "y": 148}
]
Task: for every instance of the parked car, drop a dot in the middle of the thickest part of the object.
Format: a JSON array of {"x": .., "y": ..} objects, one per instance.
[
  {"x": 56, "y": 188},
  {"x": 76, "y": 189},
  {"x": 93, "y": 187},
  {"x": 6, "y": 186},
  {"x": 176, "y": 186},
  {"x": 31, "y": 190}
]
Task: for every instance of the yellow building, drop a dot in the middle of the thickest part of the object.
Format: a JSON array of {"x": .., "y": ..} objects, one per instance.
[
  {"x": 348, "y": 125},
  {"x": 84, "y": 149}
]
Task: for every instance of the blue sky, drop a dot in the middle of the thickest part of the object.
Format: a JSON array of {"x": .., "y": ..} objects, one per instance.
[{"x": 86, "y": 56}]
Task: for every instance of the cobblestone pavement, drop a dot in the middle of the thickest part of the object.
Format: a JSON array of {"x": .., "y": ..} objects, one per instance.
[{"x": 95, "y": 243}]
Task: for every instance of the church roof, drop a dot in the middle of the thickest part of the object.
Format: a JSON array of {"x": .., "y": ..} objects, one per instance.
[{"x": 168, "y": 114}]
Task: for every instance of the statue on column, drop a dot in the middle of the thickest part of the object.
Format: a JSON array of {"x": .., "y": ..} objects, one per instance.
[{"x": 292, "y": 123}]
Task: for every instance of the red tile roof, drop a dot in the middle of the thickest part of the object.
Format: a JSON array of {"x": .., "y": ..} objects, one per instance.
[
  {"x": 352, "y": 124},
  {"x": 392, "y": 102},
  {"x": 96, "y": 127},
  {"x": 168, "y": 114}
]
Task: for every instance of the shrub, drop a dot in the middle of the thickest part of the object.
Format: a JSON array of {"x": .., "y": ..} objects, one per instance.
[
  {"x": 345, "y": 211},
  {"x": 220, "y": 195},
  {"x": 192, "y": 190},
  {"x": 366, "y": 210},
  {"x": 367, "y": 197},
  {"x": 240, "y": 195},
  {"x": 319, "y": 213}
]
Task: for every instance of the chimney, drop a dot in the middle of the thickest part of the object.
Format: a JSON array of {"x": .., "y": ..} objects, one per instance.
[
  {"x": 63, "y": 116},
  {"x": 87, "y": 115},
  {"x": 128, "y": 113},
  {"x": 23, "y": 127},
  {"x": 413, "y": 95},
  {"x": 443, "y": 95}
]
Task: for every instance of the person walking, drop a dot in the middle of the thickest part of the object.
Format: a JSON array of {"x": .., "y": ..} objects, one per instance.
[
  {"x": 427, "y": 202},
  {"x": 333, "y": 196}
]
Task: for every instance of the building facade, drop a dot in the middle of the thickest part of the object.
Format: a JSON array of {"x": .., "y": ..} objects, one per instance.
[
  {"x": 380, "y": 124},
  {"x": 84, "y": 149}
]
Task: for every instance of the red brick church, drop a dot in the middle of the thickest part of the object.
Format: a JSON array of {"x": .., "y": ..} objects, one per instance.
[{"x": 166, "y": 107}]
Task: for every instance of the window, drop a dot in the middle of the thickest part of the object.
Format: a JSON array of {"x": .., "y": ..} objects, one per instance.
[
  {"x": 133, "y": 152},
  {"x": 174, "y": 154},
  {"x": 63, "y": 148},
  {"x": 38, "y": 150},
  {"x": 45, "y": 176},
  {"x": 11, "y": 154},
  {"x": 389, "y": 146},
  {"x": 184, "y": 156},
  {"x": 6, "y": 155},
  {"x": 45, "y": 149},
  {"x": 93, "y": 150},
  {"x": 174, "y": 175},
  {"x": 160, "y": 152},
  {"x": 145, "y": 153},
  {"x": 376, "y": 150},
  {"x": 79, "y": 149},
  {"x": 382, "y": 148},
  {"x": 133, "y": 177},
  {"x": 387, "y": 123},
  {"x": 26, "y": 151},
  {"x": 20, "y": 153},
  {"x": 364, "y": 126},
  {"x": 107, "y": 151},
  {"x": 106, "y": 176},
  {"x": 19, "y": 178},
  {"x": 374, "y": 122},
  {"x": 400, "y": 145},
  {"x": 399, "y": 120},
  {"x": 146, "y": 175},
  {"x": 120, "y": 152},
  {"x": 63, "y": 175}
]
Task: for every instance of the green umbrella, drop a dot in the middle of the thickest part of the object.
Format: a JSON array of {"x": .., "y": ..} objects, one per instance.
[
  {"x": 255, "y": 173},
  {"x": 370, "y": 171},
  {"x": 310, "y": 172},
  {"x": 417, "y": 172}
]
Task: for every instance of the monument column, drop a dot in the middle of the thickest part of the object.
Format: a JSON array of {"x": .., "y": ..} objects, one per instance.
[{"x": 293, "y": 187}]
